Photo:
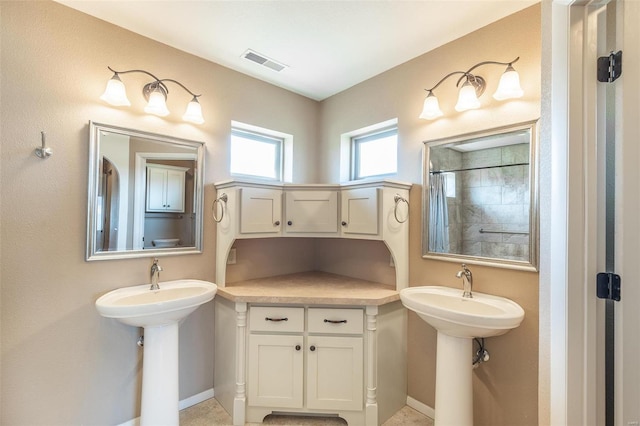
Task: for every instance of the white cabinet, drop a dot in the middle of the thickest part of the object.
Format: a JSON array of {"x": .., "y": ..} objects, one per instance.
[
  {"x": 165, "y": 188},
  {"x": 311, "y": 211},
  {"x": 333, "y": 347},
  {"x": 260, "y": 210},
  {"x": 275, "y": 370},
  {"x": 334, "y": 373},
  {"x": 360, "y": 211}
]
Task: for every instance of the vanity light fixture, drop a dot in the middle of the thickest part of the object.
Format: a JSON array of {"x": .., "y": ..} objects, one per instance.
[
  {"x": 472, "y": 88},
  {"x": 155, "y": 93}
]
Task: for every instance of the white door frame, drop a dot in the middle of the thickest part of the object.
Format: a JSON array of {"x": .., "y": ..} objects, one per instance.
[{"x": 570, "y": 368}]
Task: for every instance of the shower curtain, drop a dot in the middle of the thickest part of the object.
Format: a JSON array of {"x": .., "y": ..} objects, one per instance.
[{"x": 438, "y": 214}]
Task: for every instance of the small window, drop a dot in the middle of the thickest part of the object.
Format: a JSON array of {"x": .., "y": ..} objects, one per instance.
[
  {"x": 375, "y": 154},
  {"x": 256, "y": 155}
]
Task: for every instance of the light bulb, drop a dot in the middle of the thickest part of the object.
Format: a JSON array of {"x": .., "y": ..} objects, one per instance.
[
  {"x": 467, "y": 98},
  {"x": 431, "y": 108},
  {"x": 157, "y": 104},
  {"x": 509, "y": 86},
  {"x": 193, "y": 113},
  {"x": 115, "y": 93}
]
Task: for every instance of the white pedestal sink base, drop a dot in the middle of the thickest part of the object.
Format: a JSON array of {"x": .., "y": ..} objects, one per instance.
[
  {"x": 160, "y": 396},
  {"x": 454, "y": 389}
]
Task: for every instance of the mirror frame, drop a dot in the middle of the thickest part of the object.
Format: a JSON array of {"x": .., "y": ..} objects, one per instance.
[
  {"x": 532, "y": 263},
  {"x": 94, "y": 181}
]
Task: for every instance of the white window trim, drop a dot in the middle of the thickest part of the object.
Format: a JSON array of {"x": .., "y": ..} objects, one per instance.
[
  {"x": 345, "y": 145},
  {"x": 286, "y": 154}
]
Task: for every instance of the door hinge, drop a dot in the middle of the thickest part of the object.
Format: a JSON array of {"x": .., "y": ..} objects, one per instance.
[
  {"x": 610, "y": 67},
  {"x": 608, "y": 286}
]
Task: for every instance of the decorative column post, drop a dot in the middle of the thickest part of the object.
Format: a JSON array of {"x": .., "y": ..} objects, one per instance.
[
  {"x": 371, "y": 405},
  {"x": 240, "y": 399}
]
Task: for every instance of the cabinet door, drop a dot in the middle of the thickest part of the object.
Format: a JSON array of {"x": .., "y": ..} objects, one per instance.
[
  {"x": 360, "y": 211},
  {"x": 156, "y": 189},
  {"x": 311, "y": 211},
  {"x": 335, "y": 373},
  {"x": 275, "y": 376},
  {"x": 175, "y": 191},
  {"x": 260, "y": 210}
]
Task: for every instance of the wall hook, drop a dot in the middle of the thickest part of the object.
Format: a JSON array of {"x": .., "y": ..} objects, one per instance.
[{"x": 44, "y": 152}]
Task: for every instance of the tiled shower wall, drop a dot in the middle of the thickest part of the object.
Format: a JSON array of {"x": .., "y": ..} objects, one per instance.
[{"x": 494, "y": 198}]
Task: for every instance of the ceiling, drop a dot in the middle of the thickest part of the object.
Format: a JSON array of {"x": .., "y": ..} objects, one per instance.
[{"x": 327, "y": 45}]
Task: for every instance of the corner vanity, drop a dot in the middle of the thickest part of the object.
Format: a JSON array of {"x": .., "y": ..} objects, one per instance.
[{"x": 311, "y": 342}]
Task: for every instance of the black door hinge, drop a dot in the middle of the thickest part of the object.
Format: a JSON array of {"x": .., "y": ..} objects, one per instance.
[
  {"x": 608, "y": 286},
  {"x": 610, "y": 67}
]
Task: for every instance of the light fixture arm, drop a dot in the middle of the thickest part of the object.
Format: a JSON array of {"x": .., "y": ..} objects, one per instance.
[
  {"x": 444, "y": 78},
  {"x": 157, "y": 80},
  {"x": 486, "y": 63},
  {"x": 468, "y": 72}
]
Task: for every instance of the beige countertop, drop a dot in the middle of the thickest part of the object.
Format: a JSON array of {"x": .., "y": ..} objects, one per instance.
[{"x": 320, "y": 288}]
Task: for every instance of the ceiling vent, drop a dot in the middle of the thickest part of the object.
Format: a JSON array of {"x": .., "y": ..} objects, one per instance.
[{"x": 260, "y": 59}]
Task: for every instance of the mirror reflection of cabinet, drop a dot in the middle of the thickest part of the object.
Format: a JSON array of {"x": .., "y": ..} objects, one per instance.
[{"x": 165, "y": 188}]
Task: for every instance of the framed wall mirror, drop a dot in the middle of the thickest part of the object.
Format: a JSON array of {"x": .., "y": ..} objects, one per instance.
[
  {"x": 145, "y": 194},
  {"x": 480, "y": 198}
]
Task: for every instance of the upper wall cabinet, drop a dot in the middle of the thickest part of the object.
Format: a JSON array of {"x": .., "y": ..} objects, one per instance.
[
  {"x": 480, "y": 198},
  {"x": 377, "y": 210},
  {"x": 360, "y": 211},
  {"x": 311, "y": 210},
  {"x": 260, "y": 210},
  {"x": 145, "y": 194}
]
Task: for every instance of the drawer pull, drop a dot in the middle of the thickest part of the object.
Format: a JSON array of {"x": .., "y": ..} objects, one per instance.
[
  {"x": 298, "y": 347},
  {"x": 277, "y": 223},
  {"x": 276, "y": 319},
  {"x": 335, "y": 321}
]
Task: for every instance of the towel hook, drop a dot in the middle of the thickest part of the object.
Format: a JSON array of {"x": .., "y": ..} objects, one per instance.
[
  {"x": 399, "y": 199},
  {"x": 43, "y": 152},
  {"x": 214, "y": 208}
]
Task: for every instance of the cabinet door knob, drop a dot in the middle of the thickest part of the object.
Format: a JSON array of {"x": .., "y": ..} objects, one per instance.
[
  {"x": 289, "y": 223},
  {"x": 297, "y": 347},
  {"x": 344, "y": 223},
  {"x": 277, "y": 223},
  {"x": 312, "y": 348}
]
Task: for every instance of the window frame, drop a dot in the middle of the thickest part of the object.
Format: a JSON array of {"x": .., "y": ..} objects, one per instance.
[
  {"x": 356, "y": 142},
  {"x": 263, "y": 137}
]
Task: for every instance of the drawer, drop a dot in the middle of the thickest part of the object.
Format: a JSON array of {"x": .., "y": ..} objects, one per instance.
[
  {"x": 276, "y": 318},
  {"x": 335, "y": 321}
]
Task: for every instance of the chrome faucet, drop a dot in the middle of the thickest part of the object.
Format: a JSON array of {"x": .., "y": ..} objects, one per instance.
[
  {"x": 155, "y": 274},
  {"x": 467, "y": 281}
]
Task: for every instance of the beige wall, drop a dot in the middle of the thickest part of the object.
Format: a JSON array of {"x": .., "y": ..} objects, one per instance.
[
  {"x": 505, "y": 388},
  {"x": 62, "y": 363}
]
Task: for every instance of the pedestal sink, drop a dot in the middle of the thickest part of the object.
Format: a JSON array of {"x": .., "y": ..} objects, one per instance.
[
  {"x": 159, "y": 312},
  {"x": 458, "y": 320}
]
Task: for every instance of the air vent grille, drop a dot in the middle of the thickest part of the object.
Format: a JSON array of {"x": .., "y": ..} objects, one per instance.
[{"x": 260, "y": 59}]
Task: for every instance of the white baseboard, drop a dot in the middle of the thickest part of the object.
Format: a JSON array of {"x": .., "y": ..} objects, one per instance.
[
  {"x": 420, "y": 407},
  {"x": 195, "y": 399},
  {"x": 185, "y": 403}
]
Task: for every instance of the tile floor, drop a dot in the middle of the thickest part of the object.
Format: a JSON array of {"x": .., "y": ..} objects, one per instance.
[{"x": 210, "y": 412}]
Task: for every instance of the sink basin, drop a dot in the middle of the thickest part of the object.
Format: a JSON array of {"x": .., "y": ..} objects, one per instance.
[
  {"x": 459, "y": 319},
  {"x": 447, "y": 311},
  {"x": 141, "y": 307},
  {"x": 159, "y": 312}
]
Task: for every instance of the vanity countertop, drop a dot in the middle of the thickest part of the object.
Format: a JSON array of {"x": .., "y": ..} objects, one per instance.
[{"x": 318, "y": 288}]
